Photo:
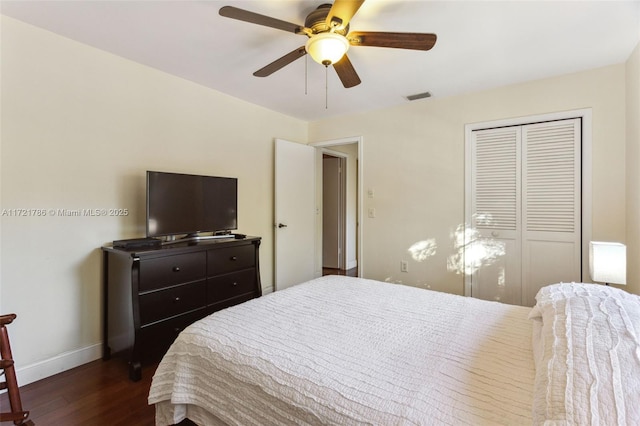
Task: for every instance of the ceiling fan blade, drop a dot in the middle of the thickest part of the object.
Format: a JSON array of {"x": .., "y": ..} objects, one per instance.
[
  {"x": 346, "y": 72},
  {"x": 415, "y": 41},
  {"x": 281, "y": 62},
  {"x": 342, "y": 11},
  {"x": 256, "y": 18}
]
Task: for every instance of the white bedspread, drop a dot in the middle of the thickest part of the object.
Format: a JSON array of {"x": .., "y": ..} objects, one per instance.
[
  {"x": 347, "y": 351},
  {"x": 588, "y": 356}
]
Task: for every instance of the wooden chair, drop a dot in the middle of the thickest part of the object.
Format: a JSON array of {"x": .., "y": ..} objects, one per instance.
[{"x": 17, "y": 415}]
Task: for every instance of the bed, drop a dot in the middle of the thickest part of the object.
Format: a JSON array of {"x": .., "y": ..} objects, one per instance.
[{"x": 350, "y": 351}]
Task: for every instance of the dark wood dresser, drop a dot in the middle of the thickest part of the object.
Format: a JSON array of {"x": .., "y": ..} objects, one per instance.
[{"x": 151, "y": 295}]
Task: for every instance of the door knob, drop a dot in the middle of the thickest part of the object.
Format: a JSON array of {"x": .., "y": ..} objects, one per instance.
[{"x": 282, "y": 225}]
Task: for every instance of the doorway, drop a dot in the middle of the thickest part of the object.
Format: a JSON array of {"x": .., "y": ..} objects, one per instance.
[
  {"x": 334, "y": 188},
  {"x": 347, "y": 227}
]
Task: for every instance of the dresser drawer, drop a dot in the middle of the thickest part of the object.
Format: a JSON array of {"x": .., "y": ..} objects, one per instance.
[
  {"x": 231, "y": 285},
  {"x": 221, "y": 261},
  {"x": 230, "y": 302},
  {"x": 155, "y": 339},
  {"x": 171, "y": 270},
  {"x": 160, "y": 304}
]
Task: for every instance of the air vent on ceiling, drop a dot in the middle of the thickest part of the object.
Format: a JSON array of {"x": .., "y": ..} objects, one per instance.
[{"x": 419, "y": 96}]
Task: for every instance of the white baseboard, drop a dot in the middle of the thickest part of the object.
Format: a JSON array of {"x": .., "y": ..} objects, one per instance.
[
  {"x": 57, "y": 364},
  {"x": 352, "y": 264}
]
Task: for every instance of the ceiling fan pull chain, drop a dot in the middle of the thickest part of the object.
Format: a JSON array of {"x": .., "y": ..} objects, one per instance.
[
  {"x": 326, "y": 87},
  {"x": 306, "y": 75}
]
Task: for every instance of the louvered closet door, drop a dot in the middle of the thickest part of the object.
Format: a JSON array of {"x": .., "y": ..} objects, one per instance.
[
  {"x": 493, "y": 252},
  {"x": 551, "y": 208},
  {"x": 526, "y": 215}
]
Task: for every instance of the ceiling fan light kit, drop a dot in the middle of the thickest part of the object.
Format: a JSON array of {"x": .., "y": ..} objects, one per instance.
[
  {"x": 329, "y": 37},
  {"x": 327, "y": 48}
]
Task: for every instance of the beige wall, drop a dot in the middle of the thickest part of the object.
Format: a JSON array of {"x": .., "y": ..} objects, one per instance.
[
  {"x": 633, "y": 170},
  {"x": 79, "y": 129},
  {"x": 414, "y": 162}
]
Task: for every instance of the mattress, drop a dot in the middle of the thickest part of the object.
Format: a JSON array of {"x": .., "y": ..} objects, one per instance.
[{"x": 351, "y": 351}]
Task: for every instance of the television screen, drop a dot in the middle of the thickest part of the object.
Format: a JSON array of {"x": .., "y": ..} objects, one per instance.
[{"x": 187, "y": 204}]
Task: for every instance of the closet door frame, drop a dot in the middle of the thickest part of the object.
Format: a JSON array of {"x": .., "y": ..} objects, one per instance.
[{"x": 584, "y": 114}]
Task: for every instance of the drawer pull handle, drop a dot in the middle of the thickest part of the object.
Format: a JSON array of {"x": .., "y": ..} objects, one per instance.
[
  {"x": 176, "y": 269},
  {"x": 234, "y": 258},
  {"x": 235, "y": 284},
  {"x": 176, "y": 299},
  {"x": 177, "y": 329}
]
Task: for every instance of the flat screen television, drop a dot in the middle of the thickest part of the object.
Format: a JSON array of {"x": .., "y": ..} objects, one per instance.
[{"x": 180, "y": 204}]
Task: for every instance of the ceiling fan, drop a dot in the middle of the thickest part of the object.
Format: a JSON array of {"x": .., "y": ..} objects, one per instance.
[{"x": 329, "y": 38}]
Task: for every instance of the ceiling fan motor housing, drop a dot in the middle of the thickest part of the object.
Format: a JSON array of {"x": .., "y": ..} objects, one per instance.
[{"x": 317, "y": 21}]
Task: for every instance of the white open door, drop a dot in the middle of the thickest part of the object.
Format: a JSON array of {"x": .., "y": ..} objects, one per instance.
[{"x": 295, "y": 213}]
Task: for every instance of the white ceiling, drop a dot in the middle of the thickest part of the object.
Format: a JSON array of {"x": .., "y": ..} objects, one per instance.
[{"x": 481, "y": 44}]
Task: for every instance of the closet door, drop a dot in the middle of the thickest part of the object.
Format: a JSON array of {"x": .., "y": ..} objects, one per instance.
[
  {"x": 493, "y": 251},
  {"x": 526, "y": 210},
  {"x": 551, "y": 205}
]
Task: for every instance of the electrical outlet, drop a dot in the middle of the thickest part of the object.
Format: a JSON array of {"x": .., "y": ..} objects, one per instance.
[
  {"x": 404, "y": 266},
  {"x": 372, "y": 212}
]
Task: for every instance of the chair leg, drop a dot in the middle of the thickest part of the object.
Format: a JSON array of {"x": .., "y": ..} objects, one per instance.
[{"x": 17, "y": 415}]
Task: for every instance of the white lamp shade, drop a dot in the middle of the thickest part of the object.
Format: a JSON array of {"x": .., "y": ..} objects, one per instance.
[
  {"x": 608, "y": 262},
  {"x": 327, "y": 48}
]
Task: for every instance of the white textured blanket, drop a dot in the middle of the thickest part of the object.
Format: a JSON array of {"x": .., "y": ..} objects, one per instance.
[
  {"x": 587, "y": 356},
  {"x": 347, "y": 351}
]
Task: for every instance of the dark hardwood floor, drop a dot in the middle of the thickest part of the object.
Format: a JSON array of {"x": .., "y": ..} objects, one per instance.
[
  {"x": 98, "y": 394},
  {"x": 331, "y": 271}
]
